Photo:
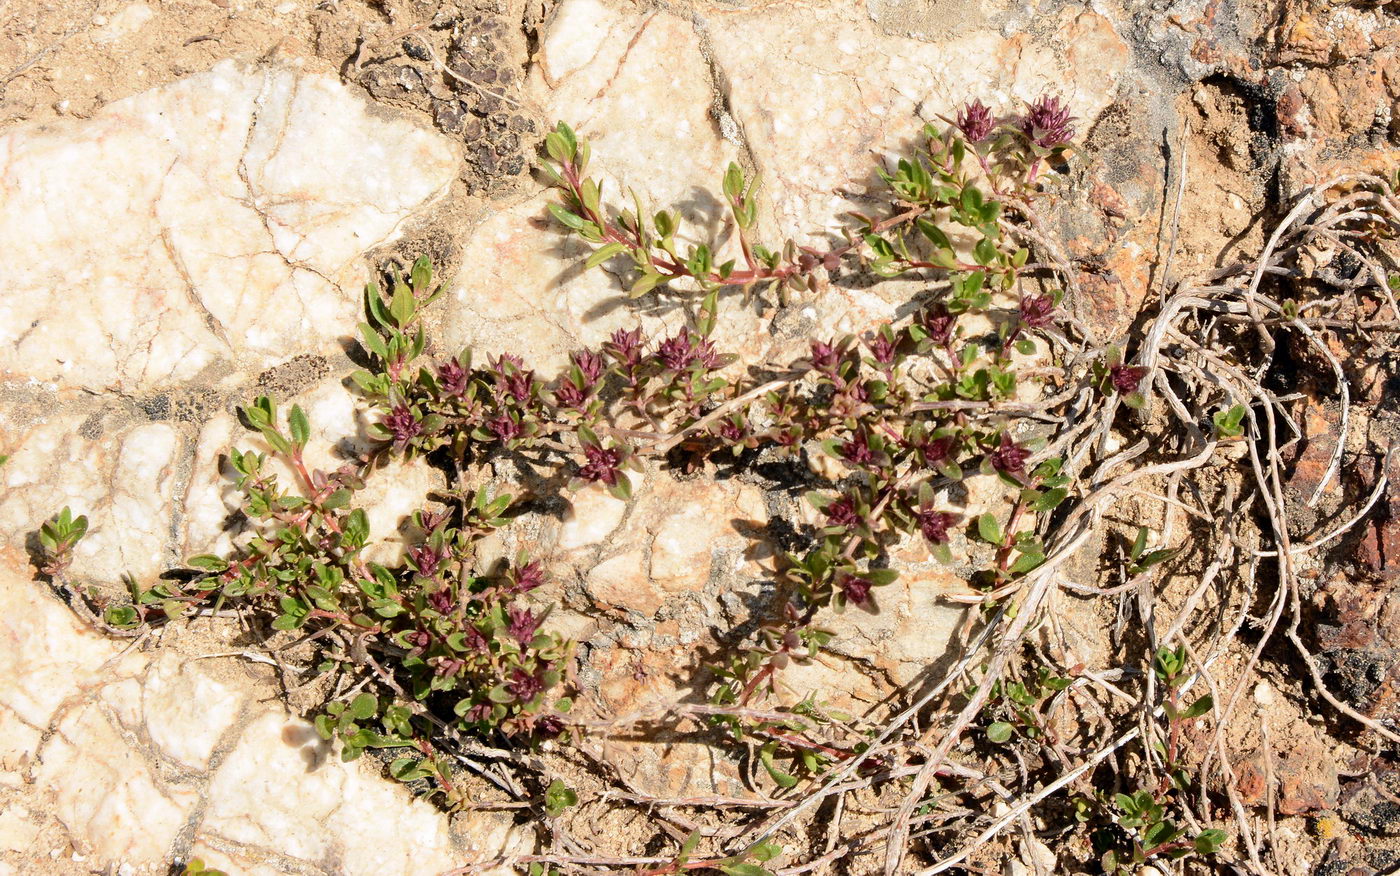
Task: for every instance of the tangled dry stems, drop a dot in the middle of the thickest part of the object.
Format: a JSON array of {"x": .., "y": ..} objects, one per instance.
[{"x": 1191, "y": 316}]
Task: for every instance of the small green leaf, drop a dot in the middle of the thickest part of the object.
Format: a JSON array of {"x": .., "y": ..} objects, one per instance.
[
  {"x": 766, "y": 851},
  {"x": 623, "y": 488},
  {"x": 985, "y": 252},
  {"x": 1139, "y": 543},
  {"x": 1208, "y": 842},
  {"x": 121, "y": 616},
  {"x": 1229, "y": 423},
  {"x": 1199, "y": 707},
  {"x": 765, "y": 756},
  {"x": 402, "y": 306},
  {"x": 364, "y": 706},
  {"x": 603, "y": 253},
  {"x": 644, "y": 284},
  {"x": 406, "y": 769},
  {"x": 421, "y": 276},
  {"x": 562, "y": 213},
  {"x": 207, "y": 562},
  {"x": 744, "y": 870},
  {"x": 373, "y": 341},
  {"x": 1152, "y": 558},
  {"x": 275, "y": 439},
  {"x": 733, "y": 180},
  {"x": 688, "y": 846},
  {"x": 882, "y": 577},
  {"x": 1159, "y": 833},
  {"x": 299, "y": 426},
  {"x": 338, "y": 499},
  {"x": 933, "y": 233},
  {"x": 558, "y": 797},
  {"x": 709, "y": 313},
  {"x": 1026, "y": 561},
  {"x": 1050, "y": 499},
  {"x": 988, "y": 529},
  {"x": 356, "y": 527},
  {"x": 999, "y": 732}
]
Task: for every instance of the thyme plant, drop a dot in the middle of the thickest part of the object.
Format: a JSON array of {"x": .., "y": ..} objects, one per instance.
[{"x": 445, "y": 650}]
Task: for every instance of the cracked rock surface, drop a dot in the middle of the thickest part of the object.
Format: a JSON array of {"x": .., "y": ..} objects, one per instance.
[
  {"x": 188, "y": 247},
  {"x": 185, "y": 249},
  {"x": 194, "y": 227},
  {"x": 112, "y": 754}
]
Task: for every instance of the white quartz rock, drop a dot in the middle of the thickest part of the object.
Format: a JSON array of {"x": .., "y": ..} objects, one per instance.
[{"x": 217, "y": 220}]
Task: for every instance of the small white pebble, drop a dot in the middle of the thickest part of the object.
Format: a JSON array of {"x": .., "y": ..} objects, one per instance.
[
  {"x": 1263, "y": 694},
  {"x": 285, "y": 8},
  {"x": 61, "y": 107}
]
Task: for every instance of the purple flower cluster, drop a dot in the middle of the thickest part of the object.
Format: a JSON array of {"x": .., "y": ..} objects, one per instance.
[
  {"x": 1009, "y": 457},
  {"x": 527, "y": 577},
  {"x": 590, "y": 365},
  {"x": 842, "y": 512},
  {"x": 938, "y": 323},
  {"x": 523, "y": 624},
  {"x": 857, "y": 450},
  {"x": 602, "y": 464},
  {"x": 934, "y": 525},
  {"x": 825, "y": 357},
  {"x": 505, "y": 427},
  {"x": 452, "y": 378},
  {"x": 426, "y": 559},
  {"x": 856, "y": 590},
  {"x": 683, "y": 350},
  {"x": 882, "y": 348},
  {"x": 1047, "y": 122},
  {"x": 1125, "y": 378},
  {"x": 403, "y": 425},
  {"x": 625, "y": 347},
  {"x": 975, "y": 121},
  {"x": 1038, "y": 311}
]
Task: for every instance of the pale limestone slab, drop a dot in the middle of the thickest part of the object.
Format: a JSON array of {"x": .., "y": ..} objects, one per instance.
[
  {"x": 678, "y": 537},
  {"x": 185, "y": 712},
  {"x": 282, "y": 788},
  {"x": 113, "y": 803},
  {"x": 810, "y": 95},
  {"x": 130, "y": 750},
  {"x": 635, "y": 84},
  {"x": 214, "y": 221},
  {"x": 124, "y": 481},
  {"x": 819, "y": 110},
  {"x": 592, "y": 516},
  {"x": 191, "y": 235},
  {"x": 17, "y": 831},
  {"x": 211, "y": 495},
  {"x": 49, "y": 657}
]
